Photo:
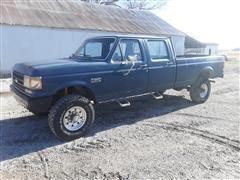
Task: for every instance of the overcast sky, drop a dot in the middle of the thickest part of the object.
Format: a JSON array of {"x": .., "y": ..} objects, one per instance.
[{"x": 206, "y": 20}]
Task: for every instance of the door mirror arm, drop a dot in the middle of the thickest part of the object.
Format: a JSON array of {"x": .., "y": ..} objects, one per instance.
[
  {"x": 124, "y": 62},
  {"x": 130, "y": 69}
]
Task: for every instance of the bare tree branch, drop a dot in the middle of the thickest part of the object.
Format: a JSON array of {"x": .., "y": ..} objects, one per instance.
[
  {"x": 145, "y": 4},
  {"x": 132, "y": 4},
  {"x": 105, "y": 2}
]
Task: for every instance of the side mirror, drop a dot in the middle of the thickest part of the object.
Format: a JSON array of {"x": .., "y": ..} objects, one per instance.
[
  {"x": 72, "y": 56},
  {"x": 133, "y": 58},
  {"x": 124, "y": 62}
]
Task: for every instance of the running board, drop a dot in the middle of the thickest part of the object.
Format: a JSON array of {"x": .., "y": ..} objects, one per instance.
[
  {"x": 157, "y": 95},
  {"x": 124, "y": 103}
]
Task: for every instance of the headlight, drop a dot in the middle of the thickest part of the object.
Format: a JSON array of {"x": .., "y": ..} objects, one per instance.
[{"x": 33, "y": 82}]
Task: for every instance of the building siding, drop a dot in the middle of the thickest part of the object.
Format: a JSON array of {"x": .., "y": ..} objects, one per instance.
[{"x": 178, "y": 44}]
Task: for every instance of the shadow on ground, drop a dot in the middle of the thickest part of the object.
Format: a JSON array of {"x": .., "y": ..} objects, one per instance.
[{"x": 24, "y": 135}]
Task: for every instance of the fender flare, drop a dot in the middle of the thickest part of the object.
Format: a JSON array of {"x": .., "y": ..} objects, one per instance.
[
  {"x": 207, "y": 72},
  {"x": 81, "y": 84}
]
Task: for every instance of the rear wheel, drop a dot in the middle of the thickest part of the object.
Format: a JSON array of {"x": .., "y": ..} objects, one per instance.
[
  {"x": 71, "y": 117},
  {"x": 200, "y": 92}
]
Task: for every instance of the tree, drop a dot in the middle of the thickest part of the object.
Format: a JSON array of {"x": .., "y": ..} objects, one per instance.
[
  {"x": 145, "y": 4},
  {"x": 131, "y": 4},
  {"x": 104, "y": 2}
]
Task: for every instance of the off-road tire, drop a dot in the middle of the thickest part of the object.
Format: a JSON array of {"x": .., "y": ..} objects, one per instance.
[
  {"x": 55, "y": 117},
  {"x": 195, "y": 91}
]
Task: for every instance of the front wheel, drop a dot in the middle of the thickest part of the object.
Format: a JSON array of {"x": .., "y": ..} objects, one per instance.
[
  {"x": 199, "y": 93},
  {"x": 71, "y": 117}
]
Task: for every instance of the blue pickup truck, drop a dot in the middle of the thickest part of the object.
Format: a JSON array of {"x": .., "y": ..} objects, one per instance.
[{"x": 109, "y": 69}]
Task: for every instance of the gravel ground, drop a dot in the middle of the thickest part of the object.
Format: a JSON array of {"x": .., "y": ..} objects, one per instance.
[
  {"x": 4, "y": 85},
  {"x": 153, "y": 139}
]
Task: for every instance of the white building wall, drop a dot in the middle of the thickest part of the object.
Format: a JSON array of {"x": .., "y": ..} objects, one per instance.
[
  {"x": 178, "y": 44},
  {"x": 211, "y": 49},
  {"x": 21, "y": 44}
]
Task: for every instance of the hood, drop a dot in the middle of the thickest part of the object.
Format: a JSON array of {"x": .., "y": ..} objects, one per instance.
[{"x": 57, "y": 67}]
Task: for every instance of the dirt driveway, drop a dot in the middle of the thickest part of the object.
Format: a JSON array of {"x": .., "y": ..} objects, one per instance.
[{"x": 152, "y": 139}]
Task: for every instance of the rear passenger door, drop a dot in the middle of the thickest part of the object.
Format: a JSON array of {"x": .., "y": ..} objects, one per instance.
[{"x": 162, "y": 67}]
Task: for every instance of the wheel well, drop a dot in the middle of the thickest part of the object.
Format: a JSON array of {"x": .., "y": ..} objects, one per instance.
[
  {"x": 86, "y": 92},
  {"x": 205, "y": 73},
  {"x": 199, "y": 79}
]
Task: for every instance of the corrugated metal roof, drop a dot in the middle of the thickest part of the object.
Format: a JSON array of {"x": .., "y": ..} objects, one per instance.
[{"x": 78, "y": 15}]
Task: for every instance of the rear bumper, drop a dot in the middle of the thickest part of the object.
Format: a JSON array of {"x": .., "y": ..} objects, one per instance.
[{"x": 35, "y": 105}]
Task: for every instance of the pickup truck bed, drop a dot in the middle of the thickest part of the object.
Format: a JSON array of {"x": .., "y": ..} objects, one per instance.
[
  {"x": 189, "y": 69},
  {"x": 105, "y": 69}
]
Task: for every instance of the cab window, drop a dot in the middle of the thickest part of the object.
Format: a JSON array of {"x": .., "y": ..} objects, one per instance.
[
  {"x": 131, "y": 50},
  {"x": 158, "y": 50},
  {"x": 95, "y": 49},
  {"x": 117, "y": 56}
]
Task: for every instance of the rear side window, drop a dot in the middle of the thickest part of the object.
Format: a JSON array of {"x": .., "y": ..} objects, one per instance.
[{"x": 158, "y": 50}]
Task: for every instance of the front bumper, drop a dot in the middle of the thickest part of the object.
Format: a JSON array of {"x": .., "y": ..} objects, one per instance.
[{"x": 35, "y": 105}]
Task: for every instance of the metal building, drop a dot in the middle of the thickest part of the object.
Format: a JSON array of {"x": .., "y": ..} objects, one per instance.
[
  {"x": 40, "y": 30},
  {"x": 193, "y": 46}
]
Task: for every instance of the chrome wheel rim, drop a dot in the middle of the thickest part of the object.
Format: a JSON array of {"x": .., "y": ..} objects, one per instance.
[
  {"x": 203, "y": 90},
  {"x": 74, "y": 118}
]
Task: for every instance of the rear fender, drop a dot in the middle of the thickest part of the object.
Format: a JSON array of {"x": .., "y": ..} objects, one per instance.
[{"x": 207, "y": 72}]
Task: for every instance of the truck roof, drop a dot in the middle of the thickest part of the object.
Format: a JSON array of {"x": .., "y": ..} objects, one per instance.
[{"x": 131, "y": 36}]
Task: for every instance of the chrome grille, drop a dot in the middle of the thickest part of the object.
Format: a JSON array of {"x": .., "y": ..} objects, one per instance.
[{"x": 18, "y": 80}]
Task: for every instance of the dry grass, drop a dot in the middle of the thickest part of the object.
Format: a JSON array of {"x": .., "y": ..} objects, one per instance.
[
  {"x": 233, "y": 61},
  {"x": 231, "y": 55},
  {"x": 232, "y": 66}
]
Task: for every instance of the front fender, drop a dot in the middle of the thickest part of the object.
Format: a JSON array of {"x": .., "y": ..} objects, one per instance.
[{"x": 73, "y": 84}]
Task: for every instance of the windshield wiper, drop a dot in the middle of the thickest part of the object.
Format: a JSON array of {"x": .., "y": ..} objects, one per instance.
[{"x": 81, "y": 57}]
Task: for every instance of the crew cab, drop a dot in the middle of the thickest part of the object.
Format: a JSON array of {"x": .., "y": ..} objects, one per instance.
[{"x": 109, "y": 69}]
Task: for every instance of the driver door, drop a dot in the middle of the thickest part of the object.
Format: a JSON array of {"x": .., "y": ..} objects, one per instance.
[{"x": 130, "y": 67}]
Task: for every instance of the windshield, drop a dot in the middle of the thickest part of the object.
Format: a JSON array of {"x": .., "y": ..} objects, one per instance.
[{"x": 95, "y": 49}]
